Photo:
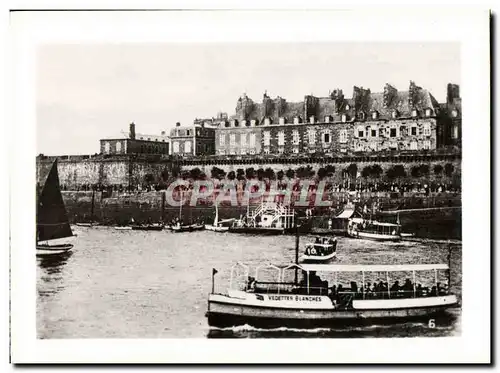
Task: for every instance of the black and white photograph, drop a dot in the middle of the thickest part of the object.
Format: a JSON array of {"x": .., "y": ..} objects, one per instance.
[{"x": 248, "y": 187}]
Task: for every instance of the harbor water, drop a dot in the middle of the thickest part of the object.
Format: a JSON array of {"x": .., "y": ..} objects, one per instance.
[{"x": 147, "y": 284}]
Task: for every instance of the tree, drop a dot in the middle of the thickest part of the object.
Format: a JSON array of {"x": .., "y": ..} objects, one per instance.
[
  {"x": 290, "y": 173},
  {"x": 231, "y": 175},
  {"x": 366, "y": 172},
  {"x": 176, "y": 170},
  {"x": 352, "y": 170},
  {"x": 396, "y": 171},
  {"x": 280, "y": 175},
  {"x": 415, "y": 171},
  {"x": 376, "y": 171},
  {"x": 240, "y": 174},
  {"x": 321, "y": 173},
  {"x": 424, "y": 170},
  {"x": 164, "y": 174},
  {"x": 448, "y": 169},
  {"x": 438, "y": 169},
  {"x": 330, "y": 170},
  {"x": 269, "y": 173},
  {"x": 250, "y": 173},
  {"x": 217, "y": 173},
  {"x": 260, "y": 173},
  {"x": 149, "y": 178},
  {"x": 195, "y": 173}
]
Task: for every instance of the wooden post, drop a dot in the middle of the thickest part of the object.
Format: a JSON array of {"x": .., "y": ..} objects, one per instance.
[{"x": 297, "y": 239}]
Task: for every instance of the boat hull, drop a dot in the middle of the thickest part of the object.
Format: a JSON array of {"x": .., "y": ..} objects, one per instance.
[
  {"x": 123, "y": 228},
  {"x": 216, "y": 229},
  {"x": 224, "y": 311},
  {"x": 260, "y": 230},
  {"x": 148, "y": 228},
  {"x": 373, "y": 236},
  {"x": 50, "y": 250},
  {"x": 188, "y": 228},
  {"x": 317, "y": 259}
]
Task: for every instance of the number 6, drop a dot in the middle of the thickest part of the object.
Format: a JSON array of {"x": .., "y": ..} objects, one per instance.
[{"x": 432, "y": 323}]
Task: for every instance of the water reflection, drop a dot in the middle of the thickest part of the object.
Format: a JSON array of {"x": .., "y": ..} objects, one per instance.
[{"x": 51, "y": 268}]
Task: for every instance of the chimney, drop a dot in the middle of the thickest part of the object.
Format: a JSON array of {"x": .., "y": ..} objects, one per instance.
[
  {"x": 132, "y": 131},
  {"x": 177, "y": 124}
]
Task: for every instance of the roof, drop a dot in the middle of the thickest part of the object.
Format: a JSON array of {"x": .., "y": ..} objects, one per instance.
[
  {"x": 346, "y": 214},
  {"x": 138, "y": 136},
  {"x": 384, "y": 103},
  {"x": 371, "y": 267}
]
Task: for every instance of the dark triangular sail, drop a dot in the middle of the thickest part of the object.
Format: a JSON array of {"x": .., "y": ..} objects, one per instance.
[{"x": 52, "y": 218}]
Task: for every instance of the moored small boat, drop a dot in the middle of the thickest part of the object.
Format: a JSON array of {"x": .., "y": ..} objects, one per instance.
[
  {"x": 123, "y": 228},
  {"x": 147, "y": 227},
  {"x": 187, "y": 228}
]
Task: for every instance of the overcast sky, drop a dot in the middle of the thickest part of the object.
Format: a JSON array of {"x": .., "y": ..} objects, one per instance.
[{"x": 88, "y": 92}]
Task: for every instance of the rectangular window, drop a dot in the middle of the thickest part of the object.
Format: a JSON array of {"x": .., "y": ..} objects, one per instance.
[
  {"x": 427, "y": 129},
  {"x": 295, "y": 137},
  {"x": 361, "y": 133},
  {"x": 414, "y": 131},
  {"x": 232, "y": 139},
  {"x": 243, "y": 139},
  {"x": 312, "y": 137},
  {"x": 267, "y": 138},
  {"x": 281, "y": 138},
  {"x": 343, "y": 136},
  {"x": 427, "y": 144},
  {"x": 373, "y": 133},
  {"x": 393, "y": 132},
  {"x": 252, "y": 140},
  {"x": 326, "y": 138},
  {"x": 188, "y": 132},
  {"x": 222, "y": 139},
  {"x": 413, "y": 145}
]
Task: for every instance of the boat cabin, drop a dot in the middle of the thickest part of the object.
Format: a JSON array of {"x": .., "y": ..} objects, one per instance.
[
  {"x": 268, "y": 215},
  {"x": 345, "y": 283},
  {"x": 321, "y": 246}
]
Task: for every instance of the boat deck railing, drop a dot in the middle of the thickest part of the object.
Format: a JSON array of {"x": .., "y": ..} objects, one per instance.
[{"x": 267, "y": 287}]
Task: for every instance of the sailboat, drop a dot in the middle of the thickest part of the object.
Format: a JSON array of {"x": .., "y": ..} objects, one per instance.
[
  {"x": 179, "y": 227},
  {"x": 52, "y": 222},
  {"x": 92, "y": 222},
  {"x": 217, "y": 225}
]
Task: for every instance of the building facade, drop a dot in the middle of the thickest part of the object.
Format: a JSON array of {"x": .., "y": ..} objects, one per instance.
[
  {"x": 133, "y": 143},
  {"x": 198, "y": 139},
  {"x": 410, "y": 120}
]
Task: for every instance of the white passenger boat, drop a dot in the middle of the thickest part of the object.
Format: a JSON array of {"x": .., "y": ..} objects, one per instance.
[
  {"x": 311, "y": 303},
  {"x": 321, "y": 251},
  {"x": 373, "y": 230}
]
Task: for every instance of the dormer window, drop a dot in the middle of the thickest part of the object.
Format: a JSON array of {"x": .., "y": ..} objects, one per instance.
[
  {"x": 226, "y": 124},
  {"x": 454, "y": 113},
  {"x": 234, "y": 123},
  {"x": 243, "y": 123},
  {"x": 394, "y": 114},
  {"x": 374, "y": 115},
  {"x": 281, "y": 120},
  {"x": 253, "y": 122},
  {"x": 267, "y": 121},
  {"x": 361, "y": 115},
  {"x": 344, "y": 118},
  {"x": 311, "y": 119},
  {"x": 428, "y": 112},
  {"x": 347, "y": 107},
  {"x": 414, "y": 113},
  {"x": 296, "y": 120},
  {"x": 327, "y": 119}
]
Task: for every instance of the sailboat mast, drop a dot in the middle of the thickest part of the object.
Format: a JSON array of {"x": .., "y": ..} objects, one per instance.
[
  {"x": 297, "y": 238},
  {"x": 180, "y": 205}
]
